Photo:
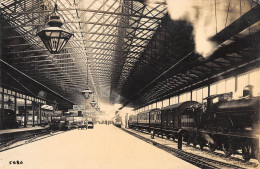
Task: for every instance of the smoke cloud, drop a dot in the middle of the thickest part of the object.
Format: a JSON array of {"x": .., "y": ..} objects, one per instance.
[{"x": 207, "y": 17}]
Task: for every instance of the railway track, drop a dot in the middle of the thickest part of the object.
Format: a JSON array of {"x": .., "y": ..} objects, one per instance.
[
  {"x": 27, "y": 138},
  {"x": 232, "y": 159},
  {"x": 194, "y": 159}
]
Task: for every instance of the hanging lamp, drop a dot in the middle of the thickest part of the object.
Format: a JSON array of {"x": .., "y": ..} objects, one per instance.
[
  {"x": 87, "y": 92},
  {"x": 54, "y": 37},
  {"x": 93, "y": 103}
]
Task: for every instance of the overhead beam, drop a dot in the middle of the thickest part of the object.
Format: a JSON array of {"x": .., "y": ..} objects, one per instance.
[
  {"x": 237, "y": 26},
  {"x": 44, "y": 49},
  {"x": 26, "y": 76},
  {"x": 86, "y": 10}
]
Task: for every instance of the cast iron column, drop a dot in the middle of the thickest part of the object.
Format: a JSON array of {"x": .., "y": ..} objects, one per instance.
[
  {"x": 40, "y": 114},
  {"x": 2, "y": 109},
  {"x": 15, "y": 104},
  {"x": 25, "y": 114},
  {"x": 33, "y": 107}
]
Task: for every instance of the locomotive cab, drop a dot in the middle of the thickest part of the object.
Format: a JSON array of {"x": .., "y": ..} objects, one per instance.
[{"x": 210, "y": 114}]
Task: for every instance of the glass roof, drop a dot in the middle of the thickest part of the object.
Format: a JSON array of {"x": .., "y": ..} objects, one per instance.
[{"x": 108, "y": 35}]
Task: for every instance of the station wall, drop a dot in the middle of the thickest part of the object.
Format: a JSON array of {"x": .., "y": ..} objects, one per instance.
[{"x": 234, "y": 84}]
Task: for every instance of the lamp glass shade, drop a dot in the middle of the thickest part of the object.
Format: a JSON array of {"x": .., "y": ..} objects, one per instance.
[
  {"x": 86, "y": 93},
  {"x": 54, "y": 37},
  {"x": 93, "y": 103}
]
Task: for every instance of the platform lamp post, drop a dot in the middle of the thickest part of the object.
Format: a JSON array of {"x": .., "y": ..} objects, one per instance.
[
  {"x": 54, "y": 37},
  {"x": 87, "y": 92}
]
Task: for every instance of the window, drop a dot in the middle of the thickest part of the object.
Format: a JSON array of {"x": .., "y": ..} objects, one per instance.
[
  {"x": 213, "y": 89},
  {"x": 20, "y": 111},
  {"x": 194, "y": 95},
  {"x": 154, "y": 105},
  {"x": 254, "y": 79},
  {"x": 165, "y": 102},
  {"x": 159, "y": 104},
  {"x": 205, "y": 92},
  {"x": 230, "y": 85},
  {"x": 185, "y": 97},
  {"x": 221, "y": 87},
  {"x": 174, "y": 100}
]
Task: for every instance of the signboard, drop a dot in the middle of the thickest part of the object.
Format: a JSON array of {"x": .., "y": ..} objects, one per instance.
[
  {"x": 47, "y": 107},
  {"x": 79, "y": 107}
]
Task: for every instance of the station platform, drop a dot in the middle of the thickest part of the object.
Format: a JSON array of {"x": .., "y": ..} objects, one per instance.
[
  {"x": 22, "y": 129},
  {"x": 13, "y": 135},
  {"x": 104, "y": 147}
]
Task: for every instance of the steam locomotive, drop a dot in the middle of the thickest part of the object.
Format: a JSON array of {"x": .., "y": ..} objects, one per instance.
[{"x": 220, "y": 123}]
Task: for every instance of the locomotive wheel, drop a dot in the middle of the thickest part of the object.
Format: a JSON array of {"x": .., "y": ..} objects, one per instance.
[
  {"x": 194, "y": 143},
  {"x": 225, "y": 149},
  {"x": 173, "y": 137},
  {"x": 212, "y": 147},
  {"x": 228, "y": 149},
  {"x": 247, "y": 151},
  {"x": 202, "y": 145},
  {"x": 185, "y": 138},
  {"x": 189, "y": 141}
]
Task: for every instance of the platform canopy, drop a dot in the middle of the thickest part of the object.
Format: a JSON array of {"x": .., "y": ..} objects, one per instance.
[{"x": 136, "y": 52}]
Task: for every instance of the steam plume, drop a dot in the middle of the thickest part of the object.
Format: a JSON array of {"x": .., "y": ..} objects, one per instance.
[{"x": 207, "y": 17}]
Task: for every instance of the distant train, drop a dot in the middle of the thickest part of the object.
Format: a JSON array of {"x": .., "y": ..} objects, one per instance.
[
  {"x": 117, "y": 121},
  {"x": 226, "y": 124},
  {"x": 69, "y": 120},
  {"x": 59, "y": 123}
]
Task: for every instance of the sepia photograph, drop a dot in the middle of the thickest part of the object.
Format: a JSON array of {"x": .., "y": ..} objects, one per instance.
[{"x": 129, "y": 84}]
